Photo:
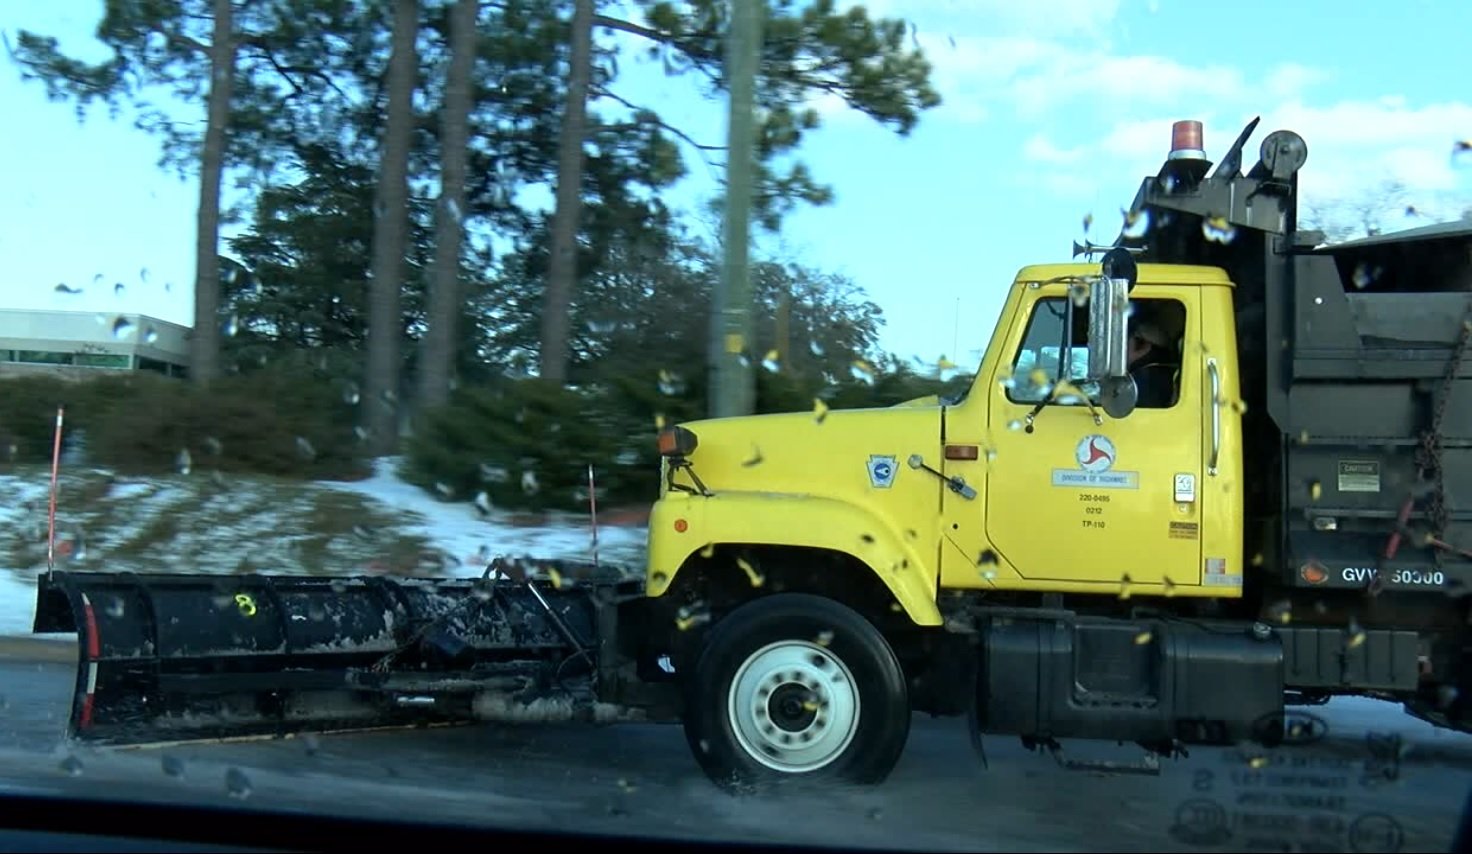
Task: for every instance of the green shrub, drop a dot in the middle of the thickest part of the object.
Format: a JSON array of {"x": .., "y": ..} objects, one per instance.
[
  {"x": 528, "y": 444},
  {"x": 28, "y": 416},
  {"x": 284, "y": 421}
]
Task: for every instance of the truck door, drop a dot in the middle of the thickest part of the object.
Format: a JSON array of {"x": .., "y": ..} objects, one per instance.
[{"x": 1083, "y": 503}]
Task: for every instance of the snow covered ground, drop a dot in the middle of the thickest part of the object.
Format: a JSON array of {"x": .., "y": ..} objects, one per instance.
[{"x": 210, "y": 523}]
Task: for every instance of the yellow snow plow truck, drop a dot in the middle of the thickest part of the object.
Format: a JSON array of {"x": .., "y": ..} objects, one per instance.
[{"x": 1221, "y": 471}]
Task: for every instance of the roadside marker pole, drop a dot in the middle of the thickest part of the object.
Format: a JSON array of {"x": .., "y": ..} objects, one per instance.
[
  {"x": 593, "y": 511},
  {"x": 55, "y": 470}
]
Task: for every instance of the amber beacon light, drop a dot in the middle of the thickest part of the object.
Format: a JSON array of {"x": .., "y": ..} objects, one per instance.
[{"x": 1186, "y": 142}]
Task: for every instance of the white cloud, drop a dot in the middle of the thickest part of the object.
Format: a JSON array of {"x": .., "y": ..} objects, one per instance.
[
  {"x": 1035, "y": 76},
  {"x": 1059, "y": 17},
  {"x": 1121, "y": 80},
  {"x": 1291, "y": 79},
  {"x": 1355, "y": 148},
  {"x": 1041, "y": 149}
]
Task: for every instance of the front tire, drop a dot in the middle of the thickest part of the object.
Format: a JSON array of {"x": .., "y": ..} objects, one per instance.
[{"x": 795, "y": 686}]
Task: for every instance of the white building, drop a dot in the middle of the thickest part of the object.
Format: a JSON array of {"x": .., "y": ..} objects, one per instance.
[{"x": 76, "y": 344}]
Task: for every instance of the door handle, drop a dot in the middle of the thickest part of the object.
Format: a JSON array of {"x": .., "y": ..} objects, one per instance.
[{"x": 1216, "y": 416}]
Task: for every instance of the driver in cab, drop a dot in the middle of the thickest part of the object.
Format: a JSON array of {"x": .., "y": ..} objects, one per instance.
[{"x": 1151, "y": 364}]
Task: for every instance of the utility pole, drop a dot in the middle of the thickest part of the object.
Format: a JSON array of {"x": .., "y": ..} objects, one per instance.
[{"x": 733, "y": 386}]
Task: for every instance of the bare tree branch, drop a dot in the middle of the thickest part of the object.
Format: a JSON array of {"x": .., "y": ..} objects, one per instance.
[{"x": 603, "y": 93}]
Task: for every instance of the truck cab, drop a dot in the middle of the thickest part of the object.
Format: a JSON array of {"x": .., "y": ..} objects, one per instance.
[{"x": 1070, "y": 496}]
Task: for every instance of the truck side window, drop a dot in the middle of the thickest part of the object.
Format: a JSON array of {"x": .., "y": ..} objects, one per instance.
[
  {"x": 1156, "y": 329},
  {"x": 1156, "y": 344}
]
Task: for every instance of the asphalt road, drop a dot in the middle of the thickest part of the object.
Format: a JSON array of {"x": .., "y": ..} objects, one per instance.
[{"x": 1354, "y": 790}]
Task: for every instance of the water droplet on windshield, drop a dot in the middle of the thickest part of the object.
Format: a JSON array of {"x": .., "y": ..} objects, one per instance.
[
  {"x": 1014, "y": 424},
  {"x": 863, "y": 371},
  {"x": 237, "y": 784},
  {"x": 771, "y": 362},
  {"x": 115, "y": 608},
  {"x": 122, "y": 328},
  {"x": 150, "y": 335},
  {"x": 350, "y": 394},
  {"x": 304, "y": 448},
  {"x": 173, "y": 766},
  {"x": 815, "y": 348},
  {"x": 232, "y": 326},
  {"x": 118, "y": 289},
  {"x": 1136, "y": 224},
  {"x": 184, "y": 463},
  {"x": 529, "y": 482},
  {"x": 64, "y": 288},
  {"x": 820, "y": 410},
  {"x": 670, "y": 383},
  {"x": 71, "y": 766},
  {"x": 494, "y": 474},
  {"x": 1217, "y": 229}
]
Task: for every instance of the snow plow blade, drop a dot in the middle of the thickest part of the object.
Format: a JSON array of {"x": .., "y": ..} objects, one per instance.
[{"x": 187, "y": 657}]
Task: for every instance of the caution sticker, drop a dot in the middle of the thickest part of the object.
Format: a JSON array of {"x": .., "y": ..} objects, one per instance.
[
  {"x": 1185, "y": 530},
  {"x": 1359, "y": 476}
]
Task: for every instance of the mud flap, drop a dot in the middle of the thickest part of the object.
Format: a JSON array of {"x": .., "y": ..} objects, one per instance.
[{"x": 182, "y": 657}]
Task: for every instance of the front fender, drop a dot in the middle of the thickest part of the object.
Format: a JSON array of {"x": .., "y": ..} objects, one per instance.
[{"x": 757, "y": 518}]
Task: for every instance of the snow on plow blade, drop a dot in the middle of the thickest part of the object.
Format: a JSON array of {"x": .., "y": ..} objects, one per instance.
[{"x": 183, "y": 657}]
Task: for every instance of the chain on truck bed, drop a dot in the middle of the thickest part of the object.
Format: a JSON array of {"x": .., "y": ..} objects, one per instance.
[{"x": 1428, "y": 455}]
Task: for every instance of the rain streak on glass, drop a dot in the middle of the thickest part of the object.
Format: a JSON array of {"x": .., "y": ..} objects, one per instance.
[{"x": 304, "y": 448}]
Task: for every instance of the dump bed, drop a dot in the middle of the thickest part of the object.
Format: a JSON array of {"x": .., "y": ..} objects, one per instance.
[{"x": 1358, "y": 419}]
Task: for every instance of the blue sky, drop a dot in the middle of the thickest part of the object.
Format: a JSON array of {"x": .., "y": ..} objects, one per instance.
[{"x": 1054, "y": 109}]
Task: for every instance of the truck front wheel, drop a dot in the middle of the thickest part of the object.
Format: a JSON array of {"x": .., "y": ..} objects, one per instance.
[{"x": 796, "y": 686}]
